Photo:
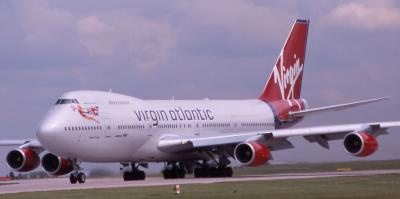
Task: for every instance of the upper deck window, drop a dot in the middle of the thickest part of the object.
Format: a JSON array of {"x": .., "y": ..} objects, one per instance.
[{"x": 67, "y": 101}]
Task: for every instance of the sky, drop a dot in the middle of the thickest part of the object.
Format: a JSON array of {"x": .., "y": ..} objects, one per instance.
[{"x": 194, "y": 49}]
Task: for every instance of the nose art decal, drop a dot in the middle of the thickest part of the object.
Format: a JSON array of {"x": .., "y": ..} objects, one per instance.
[{"x": 88, "y": 113}]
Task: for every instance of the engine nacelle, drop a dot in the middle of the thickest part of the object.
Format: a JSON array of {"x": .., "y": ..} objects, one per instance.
[
  {"x": 23, "y": 160},
  {"x": 56, "y": 165},
  {"x": 252, "y": 153},
  {"x": 360, "y": 144}
]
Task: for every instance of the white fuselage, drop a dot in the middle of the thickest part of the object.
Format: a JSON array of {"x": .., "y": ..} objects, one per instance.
[{"x": 107, "y": 127}]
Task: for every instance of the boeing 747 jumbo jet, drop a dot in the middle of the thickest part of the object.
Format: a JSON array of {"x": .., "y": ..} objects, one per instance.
[{"x": 189, "y": 136}]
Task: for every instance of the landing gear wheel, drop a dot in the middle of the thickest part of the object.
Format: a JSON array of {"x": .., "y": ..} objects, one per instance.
[
  {"x": 173, "y": 173},
  {"x": 228, "y": 171},
  {"x": 197, "y": 172},
  {"x": 134, "y": 175},
  {"x": 213, "y": 172},
  {"x": 167, "y": 174},
  {"x": 141, "y": 175},
  {"x": 81, "y": 177},
  {"x": 72, "y": 178},
  {"x": 201, "y": 172},
  {"x": 126, "y": 176}
]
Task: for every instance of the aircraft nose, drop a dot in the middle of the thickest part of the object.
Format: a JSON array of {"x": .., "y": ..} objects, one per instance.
[{"x": 46, "y": 132}]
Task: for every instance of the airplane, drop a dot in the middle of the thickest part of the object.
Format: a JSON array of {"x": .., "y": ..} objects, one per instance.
[{"x": 199, "y": 137}]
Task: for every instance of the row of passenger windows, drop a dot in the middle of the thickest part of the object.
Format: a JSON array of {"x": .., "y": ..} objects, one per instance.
[
  {"x": 256, "y": 124},
  {"x": 82, "y": 128},
  {"x": 130, "y": 126},
  {"x": 170, "y": 126},
  {"x": 207, "y": 125},
  {"x": 211, "y": 125}
]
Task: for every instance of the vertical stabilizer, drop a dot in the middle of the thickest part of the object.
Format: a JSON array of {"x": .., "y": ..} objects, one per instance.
[{"x": 285, "y": 79}]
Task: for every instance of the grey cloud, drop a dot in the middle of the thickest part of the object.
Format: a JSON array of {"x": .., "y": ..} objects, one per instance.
[{"x": 366, "y": 15}]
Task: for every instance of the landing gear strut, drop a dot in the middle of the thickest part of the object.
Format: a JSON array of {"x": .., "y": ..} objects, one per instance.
[
  {"x": 134, "y": 173},
  {"x": 174, "y": 170},
  {"x": 77, "y": 175}
]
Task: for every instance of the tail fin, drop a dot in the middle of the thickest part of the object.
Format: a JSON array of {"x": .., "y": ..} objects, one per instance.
[{"x": 285, "y": 79}]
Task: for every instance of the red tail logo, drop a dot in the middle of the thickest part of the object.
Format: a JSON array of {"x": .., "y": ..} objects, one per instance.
[{"x": 285, "y": 80}]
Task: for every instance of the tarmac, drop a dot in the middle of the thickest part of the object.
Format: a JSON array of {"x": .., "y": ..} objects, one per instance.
[{"x": 54, "y": 184}]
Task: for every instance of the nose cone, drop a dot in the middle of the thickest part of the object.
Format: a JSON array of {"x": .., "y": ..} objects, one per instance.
[
  {"x": 46, "y": 132},
  {"x": 49, "y": 131}
]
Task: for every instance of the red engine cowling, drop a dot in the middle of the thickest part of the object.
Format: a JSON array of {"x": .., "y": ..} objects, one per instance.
[
  {"x": 56, "y": 165},
  {"x": 360, "y": 144},
  {"x": 23, "y": 160},
  {"x": 252, "y": 153}
]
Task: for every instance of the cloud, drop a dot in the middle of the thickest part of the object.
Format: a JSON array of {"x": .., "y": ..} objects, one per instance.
[
  {"x": 369, "y": 16},
  {"x": 137, "y": 41},
  {"x": 92, "y": 25},
  {"x": 41, "y": 23},
  {"x": 239, "y": 24}
]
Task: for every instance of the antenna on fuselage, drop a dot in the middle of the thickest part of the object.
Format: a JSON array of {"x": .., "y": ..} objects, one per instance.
[{"x": 110, "y": 90}]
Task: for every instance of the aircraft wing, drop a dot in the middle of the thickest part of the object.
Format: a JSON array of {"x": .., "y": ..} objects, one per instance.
[
  {"x": 338, "y": 107},
  {"x": 28, "y": 143},
  {"x": 319, "y": 134}
]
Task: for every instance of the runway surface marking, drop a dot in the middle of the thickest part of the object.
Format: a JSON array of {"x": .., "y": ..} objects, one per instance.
[{"x": 54, "y": 184}]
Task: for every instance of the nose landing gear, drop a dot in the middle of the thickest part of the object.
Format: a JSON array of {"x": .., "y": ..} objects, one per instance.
[{"x": 77, "y": 175}]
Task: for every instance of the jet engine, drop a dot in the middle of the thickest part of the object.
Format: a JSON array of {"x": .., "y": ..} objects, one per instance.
[
  {"x": 360, "y": 144},
  {"x": 56, "y": 165},
  {"x": 252, "y": 153},
  {"x": 23, "y": 160}
]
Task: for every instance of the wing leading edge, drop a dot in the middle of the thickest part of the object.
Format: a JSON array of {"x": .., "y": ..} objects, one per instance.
[{"x": 28, "y": 143}]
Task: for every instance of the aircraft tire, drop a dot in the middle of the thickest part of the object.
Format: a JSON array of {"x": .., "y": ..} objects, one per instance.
[
  {"x": 81, "y": 177},
  {"x": 73, "y": 179}
]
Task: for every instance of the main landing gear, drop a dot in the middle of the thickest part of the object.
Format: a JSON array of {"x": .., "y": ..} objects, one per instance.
[
  {"x": 205, "y": 171},
  {"x": 174, "y": 170},
  {"x": 219, "y": 169},
  {"x": 77, "y": 175},
  {"x": 133, "y": 173}
]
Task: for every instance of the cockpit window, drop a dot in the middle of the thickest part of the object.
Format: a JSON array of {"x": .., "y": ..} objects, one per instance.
[{"x": 67, "y": 101}]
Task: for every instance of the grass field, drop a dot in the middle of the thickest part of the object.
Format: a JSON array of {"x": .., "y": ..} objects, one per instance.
[
  {"x": 381, "y": 186},
  {"x": 319, "y": 167}
]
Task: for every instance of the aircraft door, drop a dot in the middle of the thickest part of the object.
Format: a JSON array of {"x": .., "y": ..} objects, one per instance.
[{"x": 107, "y": 128}]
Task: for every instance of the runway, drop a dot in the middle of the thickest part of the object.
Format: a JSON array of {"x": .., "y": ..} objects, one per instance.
[{"x": 54, "y": 184}]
